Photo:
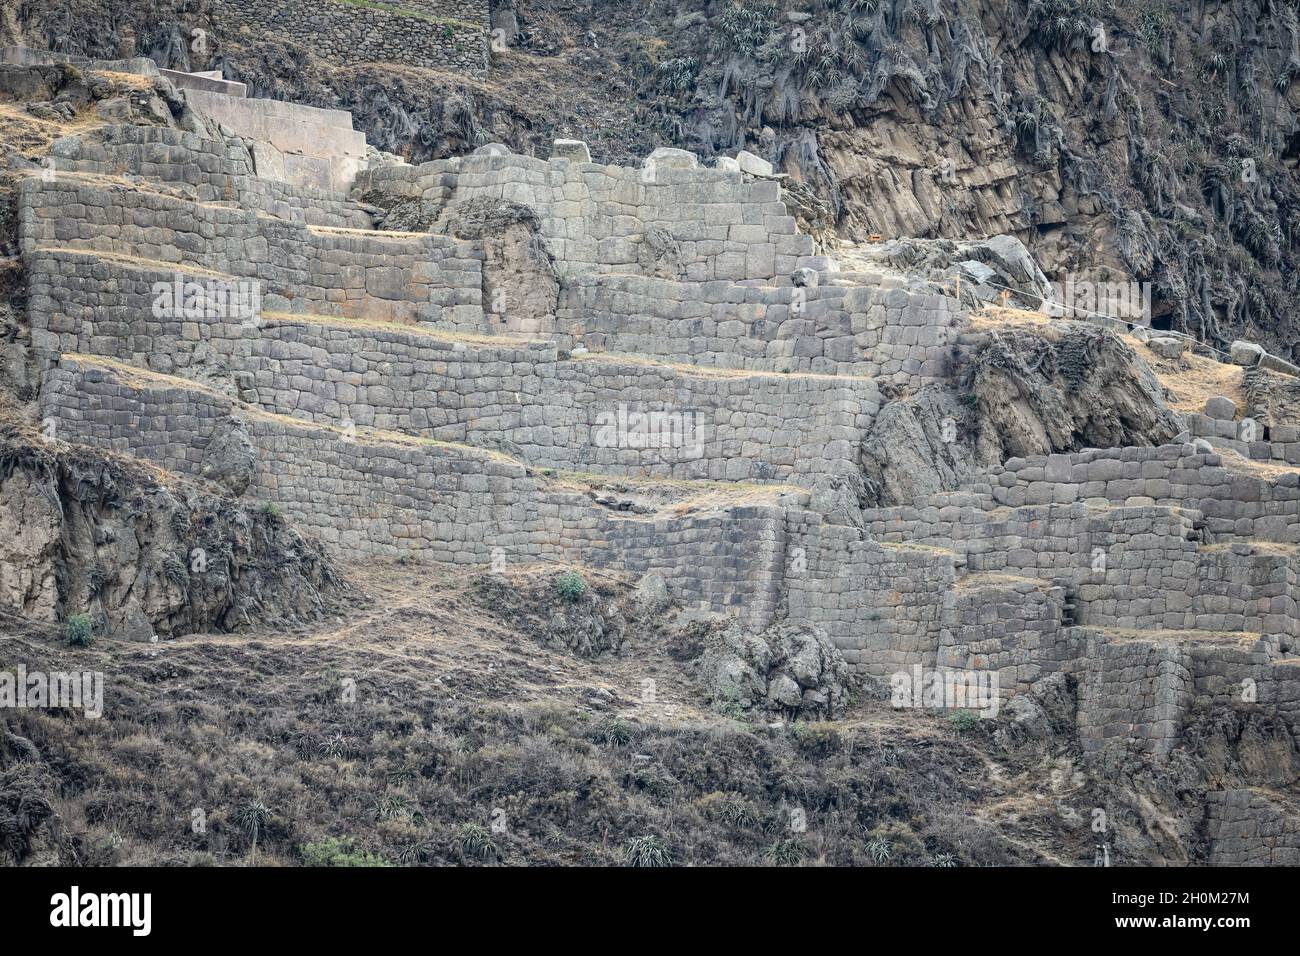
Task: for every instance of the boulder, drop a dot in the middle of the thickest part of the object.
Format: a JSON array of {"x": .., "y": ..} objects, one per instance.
[
  {"x": 666, "y": 157},
  {"x": 791, "y": 670},
  {"x": 804, "y": 277},
  {"x": 1245, "y": 353},
  {"x": 652, "y": 593},
  {"x": 1224, "y": 409},
  {"x": 1168, "y": 346}
]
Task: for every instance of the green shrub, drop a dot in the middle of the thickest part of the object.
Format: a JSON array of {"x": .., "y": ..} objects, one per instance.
[
  {"x": 616, "y": 732},
  {"x": 881, "y": 849},
  {"x": 334, "y": 851},
  {"x": 963, "y": 721},
  {"x": 819, "y": 737},
  {"x": 570, "y": 586},
  {"x": 271, "y": 510},
  {"x": 734, "y": 810},
  {"x": 79, "y": 631},
  {"x": 785, "y": 853}
]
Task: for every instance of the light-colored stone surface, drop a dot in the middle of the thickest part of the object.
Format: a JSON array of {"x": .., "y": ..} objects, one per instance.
[{"x": 378, "y": 415}]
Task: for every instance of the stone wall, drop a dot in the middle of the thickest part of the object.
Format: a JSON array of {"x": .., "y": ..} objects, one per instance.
[
  {"x": 1134, "y": 691},
  {"x": 209, "y": 170},
  {"x": 884, "y": 606},
  {"x": 296, "y": 144},
  {"x": 593, "y": 413},
  {"x": 613, "y": 219},
  {"x": 394, "y": 277},
  {"x": 444, "y": 34},
  {"x": 381, "y": 493},
  {"x": 1252, "y": 828},
  {"x": 1011, "y": 627},
  {"x": 1236, "y": 503},
  {"x": 898, "y": 334}
]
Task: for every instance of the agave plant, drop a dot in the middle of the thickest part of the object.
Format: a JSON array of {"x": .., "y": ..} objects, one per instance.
[
  {"x": 880, "y": 849},
  {"x": 647, "y": 851},
  {"x": 477, "y": 841},
  {"x": 251, "y": 817}
]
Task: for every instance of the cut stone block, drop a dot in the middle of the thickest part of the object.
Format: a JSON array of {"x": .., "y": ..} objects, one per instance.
[
  {"x": 1224, "y": 409},
  {"x": 1245, "y": 353},
  {"x": 1168, "y": 346},
  {"x": 754, "y": 165},
  {"x": 665, "y": 157},
  {"x": 574, "y": 150}
]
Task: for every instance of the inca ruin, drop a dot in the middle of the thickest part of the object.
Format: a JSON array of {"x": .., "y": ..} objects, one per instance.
[{"x": 628, "y": 454}]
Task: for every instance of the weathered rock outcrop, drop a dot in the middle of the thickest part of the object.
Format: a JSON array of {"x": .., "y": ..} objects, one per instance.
[
  {"x": 791, "y": 670},
  {"x": 84, "y": 532},
  {"x": 1062, "y": 389},
  {"x": 587, "y": 619},
  {"x": 521, "y": 288}
]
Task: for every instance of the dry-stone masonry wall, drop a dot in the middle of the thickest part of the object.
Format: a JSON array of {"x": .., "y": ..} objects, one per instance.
[
  {"x": 365, "y": 492},
  {"x": 899, "y": 334},
  {"x": 603, "y": 219},
  {"x": 697, "y": 336},
  {"x": 297, "y": 268},
  {"x": 1136, "y": 691},
  {"x": 444, "y": 34},
  {"x": 592, "y": 413},
  {"x": 209, "y": 170},
  {"x": 1251, "y": 828}
]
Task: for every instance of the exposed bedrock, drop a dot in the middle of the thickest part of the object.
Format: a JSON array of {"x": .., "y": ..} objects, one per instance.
[
  {"x": 1069, "y": 387},
  {"x": 521, "y": 288},
  {"x": 85, "y": 533},
  {"x": 1021, "y": 392}
]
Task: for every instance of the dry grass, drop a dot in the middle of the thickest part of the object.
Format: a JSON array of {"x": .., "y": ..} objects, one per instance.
[
  {"x": 380, "y": 325},
  {"x": 32, "y": 136},
  {"x": 135, "y": 81},
  {"x": 1165, "y": 636},
  {"x": 1192, "y": 379},
  {"x": 702, "y": 371},
  {"x": 1189, "y": 380},
  {"x": 137, "y": 262},
  {"x": 988, "y": 579},
  {"x": 994, "y": 317},
  {"x": 460, "y": 718}
]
